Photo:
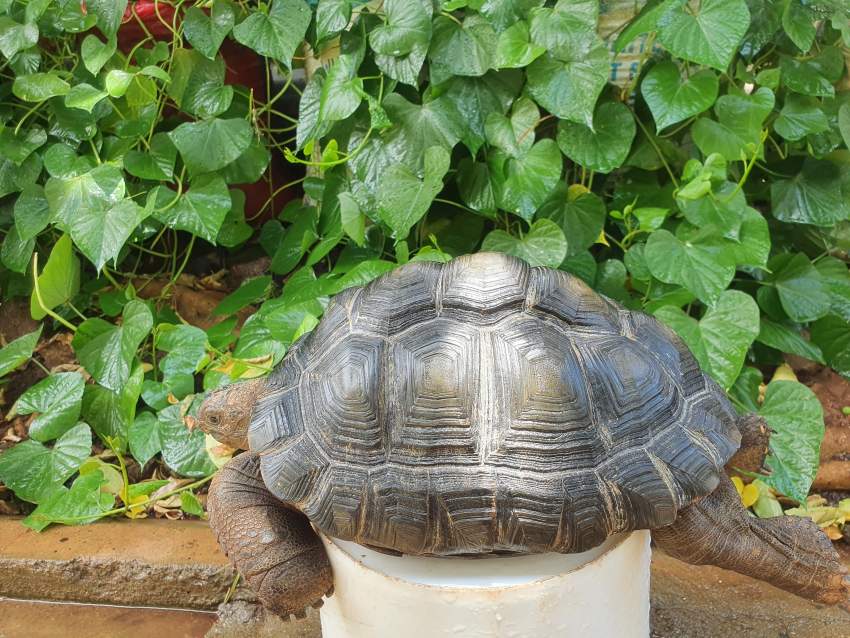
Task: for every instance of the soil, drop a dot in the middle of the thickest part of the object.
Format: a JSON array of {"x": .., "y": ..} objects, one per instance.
[
  {"x": 834, "y": 394},
  {"x": 15, "y": 320},
  {"x": 708, "y": 602}
]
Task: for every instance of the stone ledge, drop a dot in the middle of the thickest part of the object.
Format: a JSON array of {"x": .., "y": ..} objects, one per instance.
[
  {"x": 177, "y": 564},
  {"x": 154, "y": 563}
]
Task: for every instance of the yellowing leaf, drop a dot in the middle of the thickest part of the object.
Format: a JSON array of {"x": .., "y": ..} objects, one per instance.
[
  {"x": 246, "y": 368},
  {"x": 574, "y": 191},
  {"x": 766, "y": 506},
  {"x": 601, "y": 239},
  {"x": 784, "y": 373},
  {"x": 749, "y": 495},
  {"x": 113, "y": 481},
  {"x": 135, "y": 510},
  {"x": 739, "y": 484}
]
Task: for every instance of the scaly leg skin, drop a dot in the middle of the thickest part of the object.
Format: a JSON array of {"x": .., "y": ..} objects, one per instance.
[
  {"x": 789, "y": 552},
  {"x": 273, "y": 547}
]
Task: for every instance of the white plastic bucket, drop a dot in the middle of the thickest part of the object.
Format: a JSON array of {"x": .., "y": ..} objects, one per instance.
[{"x": 601, "y": 593}]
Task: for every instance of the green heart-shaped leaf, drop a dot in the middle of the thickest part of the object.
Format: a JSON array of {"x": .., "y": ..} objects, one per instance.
[
  {"x": 332, "y": 16},
  {"x": 408, "y": 25},
  {"x": 404, "y": 198},
  {"x": 143, "y": 437},
  {"x": 672, "y": 98},
  {"x": 569, "y": 89},
  {"x": 209, "y": 145},
  {"x": 17, "y": 352},
  {"x": 107, "y": 351},
  {"x": 183, "y": 450},
  {"x": 708, "y": 34},
  {"x": 813, "y": 196},
  {"x": 801, "y": 287},
  {"x": 85, "y": 502},
  {"x": 737, "y": 133},
  {"x": 58, "y": 400},
  {"x": 604, "y": 147},
  {"x": 800, "y": 116},
  {"x": 721, "y": 338},
  {"x": 515, "y": 49},
  {"x": 201, "y": 210},
  {"x": 278, "y": 33},
  {"x": 543, "y": 245},
  {"x": 703, "y": 268},
  {"x": 35, "y": 472},
  {"x": 580, "y": 215},
  {"x": 785, "y": 339},
  {"x": 795, "y": 416},
  {"x": 206, "y": 32},
  {"x": 462, "y": 49},
  {"x": 37, "y": 87},
  {"x": 530, "y": 178}
]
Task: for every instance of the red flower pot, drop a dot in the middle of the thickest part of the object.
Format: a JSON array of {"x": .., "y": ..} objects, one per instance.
[{"x": 244, "y": 67}]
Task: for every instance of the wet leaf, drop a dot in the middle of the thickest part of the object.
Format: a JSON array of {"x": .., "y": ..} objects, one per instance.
[
  {"x": 543, "y": 245},
  {"x": 721, "y": 338},
  {"x": 206, "y": 32},
  {"x": 35, "y": 472},
  {"x": 672, "y": 98},
  {"x": 795, "y": 415},
  {"x": 707, "y": 34},
  {"x": 404, "y": 198},
  {"x": 83, "y": 503},
  {"x": 278, "y": 33},
  {"x": 703, "y": 268},
  {"x": 604, "y": 147},
  {"x": 107, "y": 351},
  {"x": 143, "y": 436},
  {"x": 183, "y": 450},
  {"x": 57, "y": 399}
]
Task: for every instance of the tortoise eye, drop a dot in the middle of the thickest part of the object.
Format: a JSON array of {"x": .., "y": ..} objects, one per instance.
[{"x": 213, "y": 419}]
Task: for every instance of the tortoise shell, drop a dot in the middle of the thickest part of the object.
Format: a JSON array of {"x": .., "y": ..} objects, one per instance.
[{"x": 483, "y": 406}]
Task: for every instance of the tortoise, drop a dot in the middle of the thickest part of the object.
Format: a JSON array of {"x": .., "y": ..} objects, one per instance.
[{"x": 484, "y": 406}]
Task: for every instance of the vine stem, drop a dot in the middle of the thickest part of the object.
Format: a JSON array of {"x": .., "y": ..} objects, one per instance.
[
  {"x": 37, "y": 291},
  {"x": 657, "y": 149},
  {"x": 148, "y": 501},
  {"x": 748, "y": 168}
]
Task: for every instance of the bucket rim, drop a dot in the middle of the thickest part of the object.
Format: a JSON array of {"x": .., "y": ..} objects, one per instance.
[{"x": 595, "y": 556}]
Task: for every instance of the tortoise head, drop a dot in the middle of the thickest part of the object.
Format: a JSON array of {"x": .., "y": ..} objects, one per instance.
[{"x": 226, "y": 413}]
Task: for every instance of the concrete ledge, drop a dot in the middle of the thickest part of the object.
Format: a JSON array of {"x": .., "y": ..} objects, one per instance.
[
  {"x": 177, "y": 564},
  {"x": 153, "y": 563},
  {"x": 27, "y": 619}
]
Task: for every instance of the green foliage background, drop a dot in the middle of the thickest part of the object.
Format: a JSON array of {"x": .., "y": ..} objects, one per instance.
[{"x": 711, "y": 189}]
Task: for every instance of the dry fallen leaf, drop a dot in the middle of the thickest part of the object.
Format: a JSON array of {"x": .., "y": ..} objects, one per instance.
[{"x": 831, "y": 519}]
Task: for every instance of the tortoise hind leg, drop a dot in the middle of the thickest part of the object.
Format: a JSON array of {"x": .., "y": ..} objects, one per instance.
[
  {"x": 273, "y": 547},
  {"x": 789, "y": 552}
]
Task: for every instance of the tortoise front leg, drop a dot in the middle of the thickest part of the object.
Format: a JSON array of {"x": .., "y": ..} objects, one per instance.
[
  {"x": 789, "y": 552},
  {"x": 273, "y": 547}
]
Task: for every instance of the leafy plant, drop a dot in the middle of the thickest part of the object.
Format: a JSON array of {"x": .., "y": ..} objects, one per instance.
[{"x": 693, "y": 163}]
